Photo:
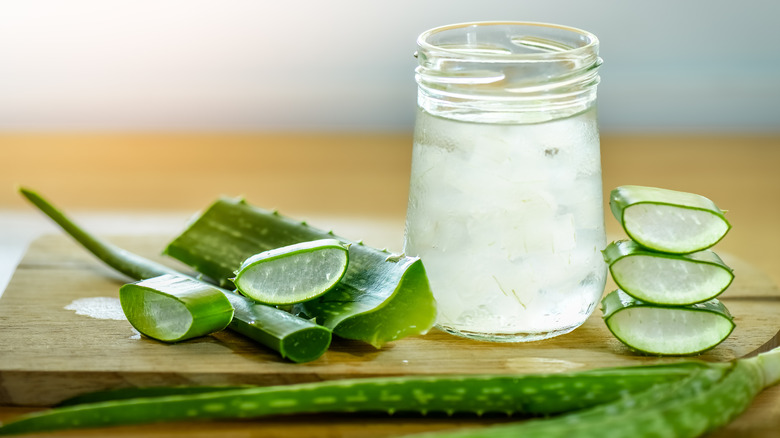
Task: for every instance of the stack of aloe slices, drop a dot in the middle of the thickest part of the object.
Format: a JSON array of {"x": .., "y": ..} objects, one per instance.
[
  {"x": 667, "y": 278},
  {"x": 336, "y": 285}
]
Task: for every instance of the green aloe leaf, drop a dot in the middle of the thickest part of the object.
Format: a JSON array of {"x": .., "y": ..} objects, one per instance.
[{"x": 381, "y": 298}]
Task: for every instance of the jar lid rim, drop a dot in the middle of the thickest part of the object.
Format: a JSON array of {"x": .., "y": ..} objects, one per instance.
[{"x": 591, "y": 40}]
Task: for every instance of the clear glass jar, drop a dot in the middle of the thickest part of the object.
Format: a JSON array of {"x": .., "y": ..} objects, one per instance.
[{"x": 505, "y": 203}]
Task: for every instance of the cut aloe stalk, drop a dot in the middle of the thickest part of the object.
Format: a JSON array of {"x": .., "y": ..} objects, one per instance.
[
  {"x": 294, "y": 273},
  {"x": 381, "y": 298},
  {"x": 669, "y": 279},
  {"x": 296, "y": 339},
  {"x": 666, "y": 330},
  {"x": 173, "y": 308},
  {"x": 668, "y": 220}
]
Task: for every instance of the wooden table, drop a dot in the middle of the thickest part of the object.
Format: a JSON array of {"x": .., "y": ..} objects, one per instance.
[{"x": 364, "y": 177}]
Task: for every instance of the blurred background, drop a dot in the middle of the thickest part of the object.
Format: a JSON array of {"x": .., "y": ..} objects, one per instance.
[
  {"x": 152, "y": 108},
  {"x": 698, "y": 65}
]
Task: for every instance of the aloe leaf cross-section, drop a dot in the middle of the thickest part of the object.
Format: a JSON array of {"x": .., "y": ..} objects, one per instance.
[
  {"x": 667, "y": 279},
  {"x": 173, "y": 308},
  {"x": 668, "y": 220},
  {"x": 293, "y": 274},
  {"x": 666, "y": 330}
]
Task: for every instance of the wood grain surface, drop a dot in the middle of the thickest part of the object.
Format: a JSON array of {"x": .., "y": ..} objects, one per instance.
[{"x": 48, "y": 353}]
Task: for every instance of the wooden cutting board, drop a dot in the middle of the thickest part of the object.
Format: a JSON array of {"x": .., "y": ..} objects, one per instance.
[{"x": 49, "y": 353}]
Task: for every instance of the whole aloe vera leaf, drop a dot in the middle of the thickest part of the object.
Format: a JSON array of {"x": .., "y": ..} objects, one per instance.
[
  {"x": 525, "y": 394},
  {"x": 381, "y": 298},
  {"x": 296, "y": 339},
  {"x": 708, "y": 399},
  {"x": 639, "y": 414}
]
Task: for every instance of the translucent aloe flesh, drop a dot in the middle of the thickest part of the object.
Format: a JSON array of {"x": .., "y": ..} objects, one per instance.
[
  {"x": 267, "y": 325},
  {"x": 682, "y": 400},
  {"x": 666, "y": 330},
  {"x": 667, "y": 220},
  {"x": 172, "y": 308},
  {"x": 381, "y": 298},
  {"x": 667, "y": 279},
  {"x": 294, "y": 273}
]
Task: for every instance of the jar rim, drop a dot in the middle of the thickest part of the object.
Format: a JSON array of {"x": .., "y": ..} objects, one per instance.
[{"x": 591, "y": 41}]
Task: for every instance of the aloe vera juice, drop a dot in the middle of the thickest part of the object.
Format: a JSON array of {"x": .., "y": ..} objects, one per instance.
[{"x": 509, "y": 223}]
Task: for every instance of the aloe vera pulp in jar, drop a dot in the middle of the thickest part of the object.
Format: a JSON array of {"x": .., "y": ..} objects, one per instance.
[{"x": 505, "y": 204}]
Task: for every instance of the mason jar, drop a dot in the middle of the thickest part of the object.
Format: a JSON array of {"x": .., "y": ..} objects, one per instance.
[{"x": 505, "y": 202}]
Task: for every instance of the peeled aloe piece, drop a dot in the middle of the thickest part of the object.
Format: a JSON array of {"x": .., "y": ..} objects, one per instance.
[
  {"x": 670, "y": 279},
  {"x": 294, "y": 273},
  {"x": 382, "y": 297},
  {"x": 173, "y": 308},
  {"x": 666, "y": 330},
  {"x": 667, "y": 220}
]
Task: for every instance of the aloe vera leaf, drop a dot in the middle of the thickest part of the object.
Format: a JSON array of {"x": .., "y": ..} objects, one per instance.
[
  {"x": 172, "y": 308},
  {"x": 668, "y": 220},
  {"x": 143, "y": 392},
  {"x": 641, "y": 414},
  {"x": 525, "y": 394},
  {"x": 294, "y": 273},
  {"x": 666, "y": 330},
  {"x": 381, "y": 298},
  {"x": 296, "y": 339},
  {"x": 667, "y": 279},
  {"x": 687, "y": 408}
]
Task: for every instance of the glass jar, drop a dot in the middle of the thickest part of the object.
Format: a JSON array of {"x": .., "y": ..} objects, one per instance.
[{"x": 505, "y": 203}]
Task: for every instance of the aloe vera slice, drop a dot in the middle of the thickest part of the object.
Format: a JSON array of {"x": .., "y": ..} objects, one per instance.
[
  {"x": 381, "y": 298},
  {"x": 172, "y": 308},
  {"x": 667, "y": 220},
  {"x": 294, "y": 273},
  {"x": 669, "y": 279},
  {"x": 531, "y": 394},
  {"x": 666, "y": 330},
  {"x": 296, "y": 339}
]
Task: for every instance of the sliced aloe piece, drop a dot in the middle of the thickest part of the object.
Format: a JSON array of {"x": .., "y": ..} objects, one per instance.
[
  {"x": 381, "y": 298},
  {"x": 296, "y": 339},
  {"x": 294, "y": 273},
  {"x": 173, "y": 308},
  {"x": 666, "y": 330},
  {"x": 670, "y": 279},
  {"x": 668, "y": 220}
]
